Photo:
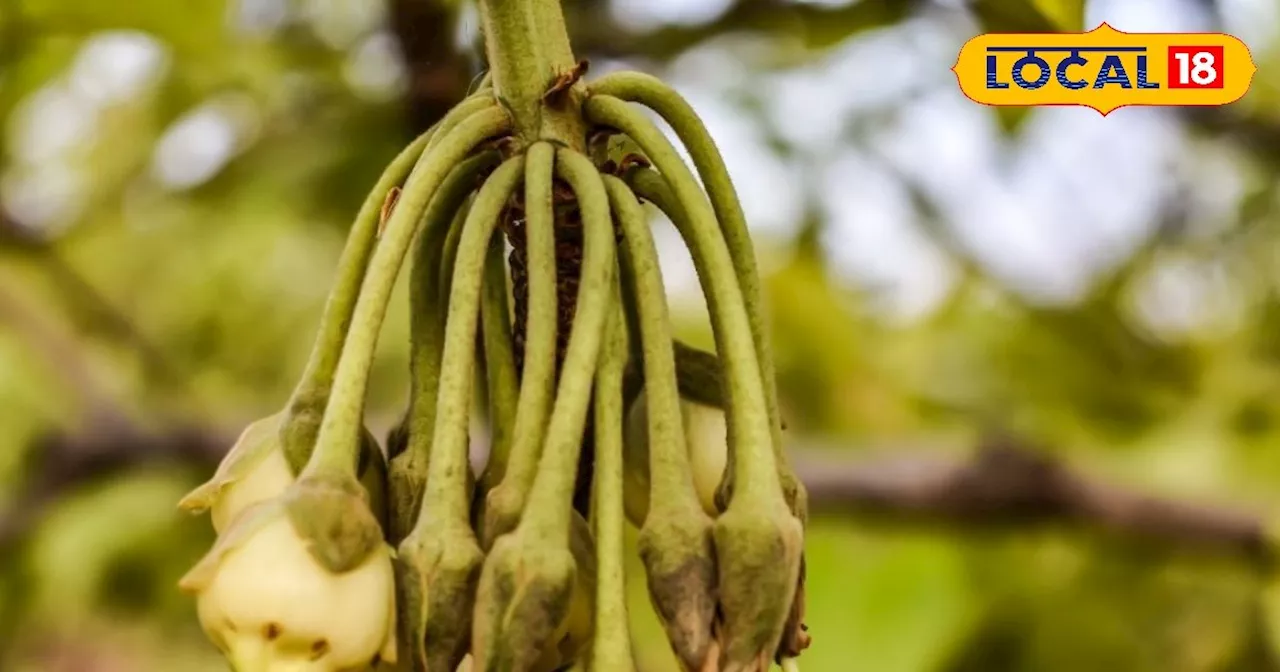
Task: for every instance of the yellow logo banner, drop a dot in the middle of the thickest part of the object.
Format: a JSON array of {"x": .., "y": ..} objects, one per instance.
[{"x": 1104, "y": 69}]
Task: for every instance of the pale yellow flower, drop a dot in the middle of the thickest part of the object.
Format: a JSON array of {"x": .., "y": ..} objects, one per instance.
[{"x": 271, "y": 607}]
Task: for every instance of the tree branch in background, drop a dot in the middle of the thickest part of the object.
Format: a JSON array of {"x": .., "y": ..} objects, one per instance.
[
  {"x": 1251, "y": 132},
  {"x": 107, "y": 443},
  {"x": 439, "y": 73},
  {"x": 1005, "y": 485},
  {"x": 59, "y": 352},
  {"x": 1008, "y": 485},
  {"x": 109, "y": 446},
  {"x": 92, "y": 310}
]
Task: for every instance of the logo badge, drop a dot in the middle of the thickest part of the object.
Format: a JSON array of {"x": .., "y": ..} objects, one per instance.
[{"x": 1104, "y": 69}]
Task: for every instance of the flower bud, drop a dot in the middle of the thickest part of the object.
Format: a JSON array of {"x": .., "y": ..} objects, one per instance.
[
  {"x": 574, "y": 635},
  {"x": 524, "y": 603},
  {"x": 706, "y": 433},
  {"x": 269, "y": 605},
  {"x": 253, "y": 470},
  {"x": 758, "y": 548},
  {"x": 706, "y": 438},
  {"x": 677, "y": 550},
  {"x": 438, "y": 567}
]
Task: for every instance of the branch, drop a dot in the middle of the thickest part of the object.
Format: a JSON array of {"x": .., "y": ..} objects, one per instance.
[
  {"x": 89, "y": 307},
  {"x": 1253, "y": 132},
  {"x": 1011, "y": 486},
  {"x": 1006, "y": 485},
  {"x": 108, "y": 446},
  {"x": 439, "y": 73}
]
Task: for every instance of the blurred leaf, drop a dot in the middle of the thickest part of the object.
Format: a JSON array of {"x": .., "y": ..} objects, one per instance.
[
  {"x": 1255, "y": 653},
  {"x": 190, "y": 25},
  {"x": 827, "y": 380},
  {"x": 891, "y": 602},
  {"x": 1078, "y": 603},
  {"x": 1030, "y": 16},
  {"x": 1011, "y": 118},
  {"x": 75, "y": 561}
]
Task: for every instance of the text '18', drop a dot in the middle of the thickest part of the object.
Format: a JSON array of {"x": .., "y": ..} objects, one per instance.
[{"x": 1104, "y": 69}]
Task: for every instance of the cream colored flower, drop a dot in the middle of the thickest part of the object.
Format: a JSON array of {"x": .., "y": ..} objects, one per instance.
[
  {"x": 707, "y": 442},
  {"x": 707, "y": 434},
  {"x": 253, "y": 471},
  {"x": 265, "y": 480},
  {"x": 270, "y": 607}
]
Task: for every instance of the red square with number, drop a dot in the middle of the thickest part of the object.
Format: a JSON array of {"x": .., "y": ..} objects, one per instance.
[{"x": 1195, "y": 67}]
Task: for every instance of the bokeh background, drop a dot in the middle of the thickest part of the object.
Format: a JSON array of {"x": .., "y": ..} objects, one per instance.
[{"x": 175, "y": 183}]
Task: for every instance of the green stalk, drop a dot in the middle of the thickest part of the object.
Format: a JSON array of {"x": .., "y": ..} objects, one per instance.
[
  {"x": 524, "y": 603},
  {"x": 611, "y": 650},
  {"x": 478, "y": 102},
  {"x": 448, "y": 466},
  {"x": 552, "y": 494},
  {"x": 439, "y": 561},
  {"x": 758, "y": 541},
  {"x": 537, "y": 384},
  {"x": 306, "y": 406},
  {"x": 338, "y": 440},
  {"x": 426, "y": 339},
  {"x": 676, "y": 111},
  {"x": 756, "y": 472},
  {"x": 500, "y": 363},
  {"x": 448, "y": 257},
  {"x": 528, "y": 48},
  {"x": 669, "y": 469},
  {"x": 675, "y": 541}
]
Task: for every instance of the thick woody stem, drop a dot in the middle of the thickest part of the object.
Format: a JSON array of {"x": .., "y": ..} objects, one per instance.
[{"x": 528, "y": 49}]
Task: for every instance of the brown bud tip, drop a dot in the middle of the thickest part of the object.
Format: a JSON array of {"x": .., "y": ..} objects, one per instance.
[
  {"x": 502, "y": 508},
  {"x": 758, "y": 553},
  {"x": 679, "y": 559},
  {"x": 525, "y": 593},
  {"x": 562, "y": 82},
  {"x": 331, "y": 513},
  {"x": 438, "y": 569},
  {"x": 388, "y": 206},
  {"x": 795, "y": 635}
]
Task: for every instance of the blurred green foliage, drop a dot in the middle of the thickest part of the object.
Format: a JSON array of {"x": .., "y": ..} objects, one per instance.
[{"x": 221, "y": 277}]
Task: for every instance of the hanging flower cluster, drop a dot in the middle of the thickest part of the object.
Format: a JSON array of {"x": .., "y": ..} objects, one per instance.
[{"x": 331, "y": 557}]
